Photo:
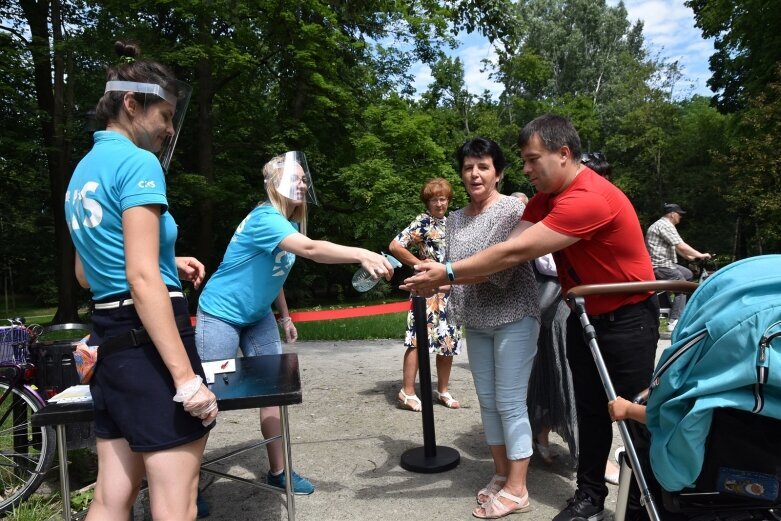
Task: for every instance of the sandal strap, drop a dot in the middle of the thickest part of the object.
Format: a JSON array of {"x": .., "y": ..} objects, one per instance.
[
  {"x": 495, "y": 509},
  {"x": 412, "y": 396},
  {"x": 493, "y": 486},
  {"x": 406, "y": 396},
  {"x": 447, "y": 396},
  {"x": 495, "y": 479},
  {"x": 515, "y": 499}
]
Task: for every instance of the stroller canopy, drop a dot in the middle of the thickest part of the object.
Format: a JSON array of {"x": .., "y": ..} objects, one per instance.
[{"x": 725, "y": 352}]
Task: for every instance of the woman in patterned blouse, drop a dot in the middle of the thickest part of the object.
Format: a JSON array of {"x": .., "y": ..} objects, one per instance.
[
  {"x": 501, "y": 317},
  {"x": 426, "y": 234}
]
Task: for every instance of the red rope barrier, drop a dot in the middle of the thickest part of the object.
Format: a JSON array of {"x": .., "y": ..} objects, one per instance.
[{"x": 333, "y": 314}]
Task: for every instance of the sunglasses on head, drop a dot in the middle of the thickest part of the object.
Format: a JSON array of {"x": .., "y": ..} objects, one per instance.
[{"x": 592, "y": 156}]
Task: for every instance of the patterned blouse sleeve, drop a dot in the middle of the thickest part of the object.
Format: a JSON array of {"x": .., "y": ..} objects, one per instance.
[
  {"x": 509, "y": 219},
  {"x": 412, "y": 233}
]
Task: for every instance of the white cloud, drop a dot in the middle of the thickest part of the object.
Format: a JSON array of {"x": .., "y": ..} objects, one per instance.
[
  {"x": 668, "y": 30},
  {"x": 472, "y": 51},
  {"x": 476, "y": 74},
  {"x": 422, "y": 75}
]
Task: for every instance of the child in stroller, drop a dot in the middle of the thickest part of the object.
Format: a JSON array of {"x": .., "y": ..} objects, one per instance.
[
  {"x": 714, "y": 405},
  {"x": 754, "y": 495}
]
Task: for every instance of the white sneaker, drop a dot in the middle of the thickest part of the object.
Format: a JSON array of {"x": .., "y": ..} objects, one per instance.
[{"x": 671, "y": 325}]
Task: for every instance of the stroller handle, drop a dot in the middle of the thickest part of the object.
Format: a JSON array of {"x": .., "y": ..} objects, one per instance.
[
  {"x": 576, "y": 299},
  {"x": 632, "y": 287}
]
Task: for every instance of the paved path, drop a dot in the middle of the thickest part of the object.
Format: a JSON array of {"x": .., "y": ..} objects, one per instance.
[{"x": 348, "y": 438}]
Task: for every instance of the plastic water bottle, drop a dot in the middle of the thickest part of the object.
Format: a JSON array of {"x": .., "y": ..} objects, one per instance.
[{"x": 363, "y": 281}]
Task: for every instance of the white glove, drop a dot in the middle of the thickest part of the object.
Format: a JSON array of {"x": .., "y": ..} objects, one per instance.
[
  {"x": 198, "y": 400},
  {"x": 291, "y": 333}
]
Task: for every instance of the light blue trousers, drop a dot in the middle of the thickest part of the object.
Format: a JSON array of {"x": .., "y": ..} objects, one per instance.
[{"x": 501, "y": 361}]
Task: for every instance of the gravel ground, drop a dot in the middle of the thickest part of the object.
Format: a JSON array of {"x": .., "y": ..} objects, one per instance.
[{"x": 348, "y": 438}]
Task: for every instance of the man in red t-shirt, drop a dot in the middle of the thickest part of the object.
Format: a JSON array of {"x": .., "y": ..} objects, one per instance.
[{"x": 595, "y": 236}]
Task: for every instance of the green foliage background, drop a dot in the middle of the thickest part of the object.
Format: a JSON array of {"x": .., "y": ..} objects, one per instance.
[{"x": 332, "y": 78}]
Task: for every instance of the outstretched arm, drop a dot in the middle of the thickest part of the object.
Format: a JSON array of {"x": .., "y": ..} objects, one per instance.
[
  {"x": 690, "y": 253},
  {"x": 623, "y": 409},
  {"x": 527, "y": 241},
  {"x": 326, "y": 252}
]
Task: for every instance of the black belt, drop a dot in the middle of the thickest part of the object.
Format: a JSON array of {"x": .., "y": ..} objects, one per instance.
[
  {"x": 623, "y": 310},
  {"x": 135, "y": 338}
]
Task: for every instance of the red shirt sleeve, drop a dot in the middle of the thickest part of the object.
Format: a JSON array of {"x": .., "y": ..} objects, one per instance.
[{"x": 579, "y": 214}]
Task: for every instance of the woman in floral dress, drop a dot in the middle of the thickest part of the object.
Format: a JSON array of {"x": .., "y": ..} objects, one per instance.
[{"x": 426, "y": 235}]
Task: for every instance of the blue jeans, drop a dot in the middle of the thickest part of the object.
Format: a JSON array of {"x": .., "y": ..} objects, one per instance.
[
  {"x": 216, "y": 339},
  {"x": 501, "y": 360},
  {"x": 676, "y": 273}
]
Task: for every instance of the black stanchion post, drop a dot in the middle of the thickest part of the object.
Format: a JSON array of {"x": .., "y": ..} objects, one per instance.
[{"x": 430, "y": 458}]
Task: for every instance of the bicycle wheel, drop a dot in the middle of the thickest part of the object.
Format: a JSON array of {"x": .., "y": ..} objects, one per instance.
[{"x": 26, "y": 452}]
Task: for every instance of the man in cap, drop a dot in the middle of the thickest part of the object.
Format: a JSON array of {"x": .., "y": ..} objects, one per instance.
[{"x": 665, "y": 244}]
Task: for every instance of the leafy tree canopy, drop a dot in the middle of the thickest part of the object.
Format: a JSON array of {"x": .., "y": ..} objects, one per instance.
[{"x": 748, "y": 47}]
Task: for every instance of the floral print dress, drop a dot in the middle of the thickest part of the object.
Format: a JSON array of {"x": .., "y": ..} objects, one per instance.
[{"x": 426, "y": 233}]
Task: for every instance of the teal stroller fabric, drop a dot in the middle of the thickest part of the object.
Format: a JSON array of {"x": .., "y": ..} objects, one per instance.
[{"x": 725, "y": 352}]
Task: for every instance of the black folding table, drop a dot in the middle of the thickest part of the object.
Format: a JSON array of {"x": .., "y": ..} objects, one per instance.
[{"x": 259, "y": 381}]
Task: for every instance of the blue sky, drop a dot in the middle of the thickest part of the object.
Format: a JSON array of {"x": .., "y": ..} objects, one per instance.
[{"x": 668, "y": 30}]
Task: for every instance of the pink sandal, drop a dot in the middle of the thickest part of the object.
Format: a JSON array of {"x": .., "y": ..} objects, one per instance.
[
  {"x": 495, "y": 509},
  {"x": 489, "y": 491}
]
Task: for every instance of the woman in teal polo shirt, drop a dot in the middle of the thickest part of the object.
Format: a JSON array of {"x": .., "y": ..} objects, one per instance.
[
  {"x": 234, "y": 310},
  {"x": 117, "y": 213}
]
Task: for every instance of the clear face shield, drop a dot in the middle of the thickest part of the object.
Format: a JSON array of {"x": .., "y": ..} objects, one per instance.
[
  {"x": 290, "y": 177},
  {"x": 178, "y": 95}
]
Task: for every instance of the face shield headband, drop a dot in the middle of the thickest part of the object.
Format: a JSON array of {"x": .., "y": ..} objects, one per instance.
[
  {"x": 290, "y": 176},
  {"x": 179, "y": 99}
]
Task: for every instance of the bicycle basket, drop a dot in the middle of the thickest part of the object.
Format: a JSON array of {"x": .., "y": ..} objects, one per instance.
[{"x": 13, "y": 344}]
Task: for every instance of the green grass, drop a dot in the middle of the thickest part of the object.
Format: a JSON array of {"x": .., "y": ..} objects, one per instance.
[
  {"x": 31, "y": 315},
  {"x": 37, "y": 508},
  {"x": 391, "y": 325}
]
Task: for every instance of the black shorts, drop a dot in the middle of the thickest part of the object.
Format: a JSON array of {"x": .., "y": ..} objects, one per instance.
[{"x": 132, "y": 390}]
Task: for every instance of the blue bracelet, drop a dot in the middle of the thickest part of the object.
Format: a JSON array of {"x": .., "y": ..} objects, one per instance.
[{"x": 450, "y": 275}]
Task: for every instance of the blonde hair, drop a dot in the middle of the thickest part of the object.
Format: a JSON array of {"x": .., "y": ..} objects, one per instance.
[{"x": 271, "y": 172}]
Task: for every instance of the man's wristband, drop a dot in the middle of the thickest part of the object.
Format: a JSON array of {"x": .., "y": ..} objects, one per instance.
[
  {"x": 449, "y": 269},
  {"x": 284, "y": 320}
]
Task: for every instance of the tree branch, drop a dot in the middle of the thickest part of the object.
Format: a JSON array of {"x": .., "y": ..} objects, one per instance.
[{"x": 15, "y": 33}]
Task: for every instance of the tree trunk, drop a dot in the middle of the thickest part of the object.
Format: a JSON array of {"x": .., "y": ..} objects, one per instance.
[
  {"x": 660, "y": 185},
  {"x": 50, "y": 99},
  {"x": 205, "y": 149}
]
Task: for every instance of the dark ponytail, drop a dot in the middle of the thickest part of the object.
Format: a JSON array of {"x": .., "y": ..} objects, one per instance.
[{"x": 130, "y": 68}]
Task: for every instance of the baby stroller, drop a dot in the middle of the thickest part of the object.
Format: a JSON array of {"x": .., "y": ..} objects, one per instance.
[{"x": 714, "y": 403}]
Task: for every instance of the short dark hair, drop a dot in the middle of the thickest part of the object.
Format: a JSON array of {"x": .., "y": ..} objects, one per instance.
[
  {"x": 554, "y": 132},
  {"x": 479, "y": 147},
  {"x": 132, "y": 69}
]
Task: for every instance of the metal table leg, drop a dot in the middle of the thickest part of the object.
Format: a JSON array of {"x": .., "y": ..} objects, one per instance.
[
  {"x": 291, "y": 507},
  {"x": 65, "y": 488}
]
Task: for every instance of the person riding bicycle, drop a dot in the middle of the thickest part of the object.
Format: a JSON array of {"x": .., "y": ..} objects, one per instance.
[{"x": 664, "y": 244}]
